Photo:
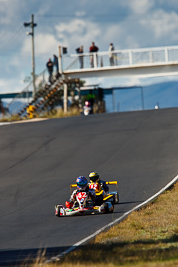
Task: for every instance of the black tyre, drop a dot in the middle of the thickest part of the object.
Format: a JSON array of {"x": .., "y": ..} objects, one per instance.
[
  {"x": 57, "y": 211},
  {"x": 116, "y": 198},
  {"x": 106, "y": 207}
]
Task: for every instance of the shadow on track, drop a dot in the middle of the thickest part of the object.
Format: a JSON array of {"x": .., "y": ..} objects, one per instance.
[
  {"x": 129, "y": 202},
  {"x": 23, "y": 256}
]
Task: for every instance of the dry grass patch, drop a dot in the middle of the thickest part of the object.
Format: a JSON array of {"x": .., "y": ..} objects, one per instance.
[
  {"x": 71, "y": 112},
  {"x": 158, "y": 221},
  {"x": 10, "y": 118},
  {"x": 147, "y": 235},
  {"x": 59, "y": 113},
  {"x": 56, "y": 114}
]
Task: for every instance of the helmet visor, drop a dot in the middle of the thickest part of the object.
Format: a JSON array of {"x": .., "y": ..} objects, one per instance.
[
  {"x": 94, "y": 178},
  {"x": 82, "y": 184}
]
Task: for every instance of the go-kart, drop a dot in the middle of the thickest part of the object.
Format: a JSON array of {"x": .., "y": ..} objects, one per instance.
[
  {"x": 87, "y": 109},
  {"x": 84, "y": 204}
]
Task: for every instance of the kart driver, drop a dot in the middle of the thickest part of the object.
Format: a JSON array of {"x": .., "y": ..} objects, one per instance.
[
  {"x": 82, "y": 186},
  {"x": 94, "y": 178},
  {"x": 99, "y": 186}
]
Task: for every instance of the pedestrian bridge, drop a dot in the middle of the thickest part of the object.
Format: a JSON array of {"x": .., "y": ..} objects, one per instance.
[{"x": 143, "y": 62}]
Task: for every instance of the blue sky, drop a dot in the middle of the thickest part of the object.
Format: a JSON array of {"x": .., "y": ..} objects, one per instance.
[{"x": 128, "y": 24}]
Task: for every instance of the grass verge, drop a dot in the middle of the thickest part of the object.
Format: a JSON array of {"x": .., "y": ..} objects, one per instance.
[
  {"x": 148, "y": 238},
  {"x": 57, "y": 114}
]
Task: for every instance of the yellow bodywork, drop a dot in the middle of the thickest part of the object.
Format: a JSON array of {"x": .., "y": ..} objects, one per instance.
[
  {"x": 111, "y": 182},
  {"x": 101, "y": 191}
]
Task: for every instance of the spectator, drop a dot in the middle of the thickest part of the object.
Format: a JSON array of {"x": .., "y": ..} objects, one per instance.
[
  {"x": 56, "y": 65},
  {"x": 49, "y": 66},
  {"x": 93, "y": 49},
  {"x": 79, "y": 50},
  {"x": 111, "y": 54}
]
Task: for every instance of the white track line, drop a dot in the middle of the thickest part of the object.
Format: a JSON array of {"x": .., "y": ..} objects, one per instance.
[
  {"x": 57, "y": 258},
  {"x": 22, "y": 121}
]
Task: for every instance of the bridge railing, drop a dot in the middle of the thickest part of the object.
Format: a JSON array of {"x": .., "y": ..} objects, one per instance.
[{"x": 121, "y": 58}]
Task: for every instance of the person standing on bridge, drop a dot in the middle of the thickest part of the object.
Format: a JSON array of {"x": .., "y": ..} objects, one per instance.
[
  {"x": 111, "y": 54},
  {"x": 49, "y": 66},
  {"x": 79, "y": 50},
  {"x": 93, "y": 49},
  {"x": 56, "y": 65}
]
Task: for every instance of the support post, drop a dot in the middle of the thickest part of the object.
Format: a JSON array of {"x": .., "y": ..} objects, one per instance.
[
  {"x": 79, "y": 99},
  {"x": 32, "y": 25},
  {"x": 33, "y": 55},
  {"x": 113, "y": 101},
  {"x": 65, "y": 98},
  {"x": 142, "y": 98}
]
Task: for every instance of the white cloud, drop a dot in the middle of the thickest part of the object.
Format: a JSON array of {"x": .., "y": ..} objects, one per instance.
[
  {"x": 140, "y": 7},
  {"x": 12, "y": 85},
  {"x": 45, "y": 43},
  {"x": 157, "y": 26},
  {"x": 2, "y": 83},
  {"x": 164, "y": 24},
  {"x": 80, "y": 13},
  {"x": 9, "y": 11},
  {"x": 78, "y": 32},
  {"x": 43, "y": 10}
]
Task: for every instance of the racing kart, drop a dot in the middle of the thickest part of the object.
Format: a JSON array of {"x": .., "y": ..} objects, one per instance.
[
  {"x": 87, "y": 109},
  {"x": 84, "y": 205}
]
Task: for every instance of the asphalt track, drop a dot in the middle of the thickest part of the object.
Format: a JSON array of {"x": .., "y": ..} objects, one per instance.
[{"x": 39, "y": 160}]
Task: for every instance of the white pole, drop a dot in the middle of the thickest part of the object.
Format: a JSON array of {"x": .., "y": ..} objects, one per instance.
[
  {"x": 65, "y": 98},
  {"x": 33, "y": 55}
]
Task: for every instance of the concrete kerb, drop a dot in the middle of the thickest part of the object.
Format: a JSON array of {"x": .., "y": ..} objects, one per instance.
[{"x": 124, "y": 216}]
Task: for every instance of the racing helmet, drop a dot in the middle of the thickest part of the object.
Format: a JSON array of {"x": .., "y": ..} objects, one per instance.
[
  {"x": 87, "y": 103},
  {"x": 94, "y": 176},
  {"x": 82, "y": 183}
]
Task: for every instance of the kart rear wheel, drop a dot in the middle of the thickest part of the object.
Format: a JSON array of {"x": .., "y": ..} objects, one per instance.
[
  {"x": 57, "y": 211},
  {"x": 106, "y": 207},
  {"x": 109, "y": 207},
  {"x": 116, "y": 198}
]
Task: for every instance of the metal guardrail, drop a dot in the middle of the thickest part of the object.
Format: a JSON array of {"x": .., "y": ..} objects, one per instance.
[{"x": 121, "y": 58}]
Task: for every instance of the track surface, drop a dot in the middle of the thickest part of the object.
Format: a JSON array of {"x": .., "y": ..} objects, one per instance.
[{"x": 39, "y": 160}]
